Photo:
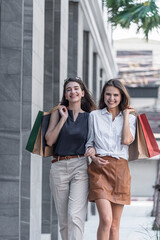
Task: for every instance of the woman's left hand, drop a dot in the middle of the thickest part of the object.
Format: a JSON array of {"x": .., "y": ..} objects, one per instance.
[
  {"x": 127, "y": 137},
  {"x": 128, "y": 110},
  {"x": 90, "y": 152}
]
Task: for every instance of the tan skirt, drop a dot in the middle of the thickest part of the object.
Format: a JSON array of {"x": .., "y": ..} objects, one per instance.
[{"x": 111, "y": 182}]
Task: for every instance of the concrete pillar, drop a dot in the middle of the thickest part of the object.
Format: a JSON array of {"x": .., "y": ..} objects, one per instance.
[
  {"x": 95, "y": 75},
  {"x": 73, "y": 39},
  {"x": 80, "y": 42},
  {"x": 88, "y": 59},
  {"x": 55, "y": 69},
  {"x": 21, "y": 56},
  {"x": 49, "y": 94},
  {"x": 75, "y": 43},
  {"x": 36, "y": 104},
  {"x": 99, "y": 82},
  {"x": 101, "y": 74},
  {"x": 56, "y": 50},
  {"x": 56, "y": 58},
  {"x": 49, "y": 216},
  {"x": 60, "y": 47},
  {"x": 85, "y": 56},
  {"x": 11, "y": 118},
  {"x": 90, "y": 63},
  {"x": 63, "y": 43}
]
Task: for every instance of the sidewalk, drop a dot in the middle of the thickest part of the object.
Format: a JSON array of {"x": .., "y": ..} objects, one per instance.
[{"x": 136, "y": 223}]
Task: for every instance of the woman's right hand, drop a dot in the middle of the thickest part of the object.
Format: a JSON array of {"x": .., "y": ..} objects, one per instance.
[
  {"x": 90, "y": 151},
  {"x": 63, "y": 112},
  {"x": 100, "y": 161},
  {"x": 56, "y": 124}
]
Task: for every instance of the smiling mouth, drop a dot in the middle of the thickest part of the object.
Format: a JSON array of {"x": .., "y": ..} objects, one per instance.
[{"x": 74, "y": 96}]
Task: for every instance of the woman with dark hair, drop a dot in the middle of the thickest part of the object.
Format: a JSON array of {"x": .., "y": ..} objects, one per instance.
[
  {"x": 111, "y": 131},
  {"x": 68, "y": 129}
]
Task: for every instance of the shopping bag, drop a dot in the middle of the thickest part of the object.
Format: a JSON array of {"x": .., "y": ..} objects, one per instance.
[
  {"x": 36, "y": 142},
  {"x": 151, "y": 143},
  {"x": 144, "y": 145}
]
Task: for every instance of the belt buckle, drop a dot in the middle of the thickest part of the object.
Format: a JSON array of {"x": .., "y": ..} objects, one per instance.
[{"x": 67, "y": 157}]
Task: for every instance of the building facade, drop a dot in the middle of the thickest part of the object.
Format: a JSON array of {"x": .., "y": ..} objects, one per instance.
[
  {"x": 42, "y": 42},
  {"x": 139, "y": 67}
]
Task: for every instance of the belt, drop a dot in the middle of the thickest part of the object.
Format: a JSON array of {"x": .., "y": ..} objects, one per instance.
[{"x": 59, "y": 158}]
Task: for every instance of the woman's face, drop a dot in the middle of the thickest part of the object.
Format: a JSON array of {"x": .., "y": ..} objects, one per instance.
[
  {"x": 112, "y": 97},
  {"x": 73, "y": 92}
]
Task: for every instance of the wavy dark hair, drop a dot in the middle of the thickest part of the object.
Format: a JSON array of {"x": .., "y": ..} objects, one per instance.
[
  {"x": 87, "y": 102},
  {"x": 124, "y": 94}
]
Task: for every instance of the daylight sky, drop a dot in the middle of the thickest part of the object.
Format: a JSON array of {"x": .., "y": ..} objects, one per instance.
[{"x": 120, "y": 33}]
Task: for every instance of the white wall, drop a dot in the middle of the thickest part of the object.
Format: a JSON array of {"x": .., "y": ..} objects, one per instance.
[{"x": 143, "y": 177}]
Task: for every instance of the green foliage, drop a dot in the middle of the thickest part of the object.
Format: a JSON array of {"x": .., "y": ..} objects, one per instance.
[{"x": 144, "y": 14}]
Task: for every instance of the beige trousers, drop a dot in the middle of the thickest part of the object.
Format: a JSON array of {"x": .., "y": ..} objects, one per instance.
[{"x": 69, "y": 187}]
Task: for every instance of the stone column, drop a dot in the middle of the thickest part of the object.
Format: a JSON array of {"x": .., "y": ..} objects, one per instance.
[
  {"x": 51, "y": 97},
  {"x": 63, "y": 43},
  {"x": 36, "y": 104},
  {"x": 85, "y": 56},
  {"x": 73, "y": 39},
  {"x": 75, "y": 44},
  {"x": 95, "y": 75},
  {"x": 49, "y": 93},
  {"x": 99, "y": 80},
  {"x": 55, "y": 71},
  {"x": 80, "y": 42},
  {"x": 60, "y": 46},
  {"x": 21, "y": 73},
  {"x": 90, "y": 63},
  {"x": 11, "y": 54}
]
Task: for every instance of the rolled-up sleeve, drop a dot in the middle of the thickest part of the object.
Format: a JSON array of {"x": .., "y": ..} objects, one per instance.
[
  {"x": 90, "y": 138},
  {"x": 132, "y": 124}
]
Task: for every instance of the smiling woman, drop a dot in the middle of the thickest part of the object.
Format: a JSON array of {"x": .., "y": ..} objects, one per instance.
[
  {"x": 87, "y": 103},
  {"x": 112, "y": 97},
  {"x": 68, "y": 129},
  {"x": 111, "y": 131},
  {"x": 74, "y": 93}
]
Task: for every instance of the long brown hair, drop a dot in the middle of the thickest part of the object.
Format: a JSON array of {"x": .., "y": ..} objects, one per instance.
[
  {"x": 123, "y": 91},
  {"x": 87, "y": 103}
]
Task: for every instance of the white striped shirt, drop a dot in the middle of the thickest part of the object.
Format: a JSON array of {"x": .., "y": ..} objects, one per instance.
[{"x": 106, "y": 135}]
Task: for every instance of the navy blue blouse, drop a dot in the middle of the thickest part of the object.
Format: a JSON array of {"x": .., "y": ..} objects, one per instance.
[{"x": 73, "y": 135}]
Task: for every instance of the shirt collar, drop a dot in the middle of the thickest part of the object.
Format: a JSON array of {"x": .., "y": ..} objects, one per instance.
[{"x": 104, "y": 111}]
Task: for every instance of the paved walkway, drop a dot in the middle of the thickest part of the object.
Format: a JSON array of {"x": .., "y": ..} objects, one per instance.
[{"x": 136, "y": 223}]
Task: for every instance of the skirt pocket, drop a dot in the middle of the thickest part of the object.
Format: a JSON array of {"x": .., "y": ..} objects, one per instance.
[
  {"x": 95, "y": 176},
  {"x": 123, "y": 178}
]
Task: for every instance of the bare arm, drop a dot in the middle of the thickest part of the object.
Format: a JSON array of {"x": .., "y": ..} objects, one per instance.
[
  {"x": 55, "y": 125},
  {"x": 127, "y": 137}
]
